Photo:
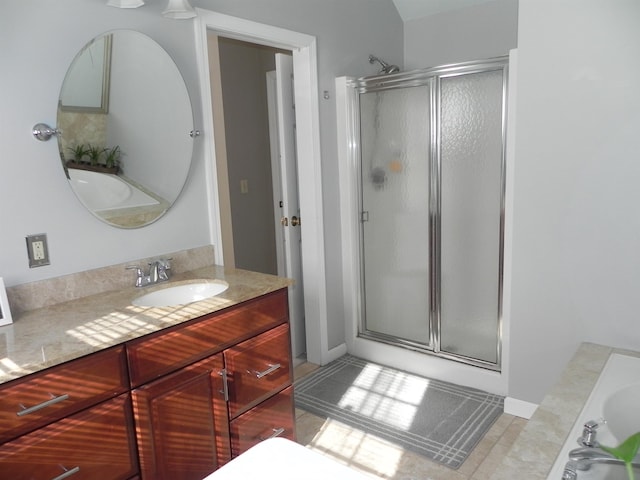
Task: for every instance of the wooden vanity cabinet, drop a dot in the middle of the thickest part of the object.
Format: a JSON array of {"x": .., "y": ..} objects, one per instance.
[
  {"x": 176, "y": 404},
  {"x": 195, "y": 384}
]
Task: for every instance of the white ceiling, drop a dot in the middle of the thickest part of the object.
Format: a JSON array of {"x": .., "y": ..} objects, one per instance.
[{"x": 412, "y": 9}]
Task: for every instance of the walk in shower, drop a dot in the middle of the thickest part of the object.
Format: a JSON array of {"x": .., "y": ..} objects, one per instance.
[{"x": 427, "y": 151}]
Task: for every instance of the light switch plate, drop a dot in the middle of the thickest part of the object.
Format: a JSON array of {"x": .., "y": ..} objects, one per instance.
[{"x": 37, "y": 250}]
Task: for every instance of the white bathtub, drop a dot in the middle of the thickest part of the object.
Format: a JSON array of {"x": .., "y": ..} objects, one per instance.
[
  {"x": 102, "y": 191},
  {"x": 621, "y": 372},
  {"x": 282, "y": 459}
]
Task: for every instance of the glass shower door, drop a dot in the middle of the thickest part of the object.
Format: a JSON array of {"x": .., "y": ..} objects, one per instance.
[
  {"x": 432, "y": 200},
  {"x": 395, "y": 146},
  {"x": 471, "y": 186}
]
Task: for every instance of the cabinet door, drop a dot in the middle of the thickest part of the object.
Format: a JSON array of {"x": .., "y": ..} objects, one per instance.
[
  {"x": 97, "y": 443},
  {"x": 272, "y": 418},
  {"x": 258, "y": 368},
  {"x": 182, "y": 423}
]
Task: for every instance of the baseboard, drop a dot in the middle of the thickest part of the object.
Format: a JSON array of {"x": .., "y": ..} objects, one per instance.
[
  {"x": 335, "y": 353},
  {"x": 519, "y": 408}
]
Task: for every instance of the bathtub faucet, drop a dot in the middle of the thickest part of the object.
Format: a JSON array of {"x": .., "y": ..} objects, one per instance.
[
  {"x": 158, "y": 272},
  {"x": 583, "y": 458}
]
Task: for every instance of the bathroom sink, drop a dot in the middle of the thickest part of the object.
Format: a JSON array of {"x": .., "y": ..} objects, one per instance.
[
  {"x": 622, "y": 413},
  {"x": 181, "y": 294}
]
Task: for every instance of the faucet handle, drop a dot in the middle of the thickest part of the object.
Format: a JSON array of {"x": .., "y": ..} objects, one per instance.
[
  {"x": 164, "y": 262},
  {"x": 138, "y": 270},
  {"x": 139, "y": 274},
  {"x": 589, "y": 431},
  {"x": 163, "y": 265}
]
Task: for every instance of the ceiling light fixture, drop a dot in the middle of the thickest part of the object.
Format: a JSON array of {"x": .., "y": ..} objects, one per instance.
[
  {"x": 179, "y": 9},
  {"x": 125, "y": 3}
]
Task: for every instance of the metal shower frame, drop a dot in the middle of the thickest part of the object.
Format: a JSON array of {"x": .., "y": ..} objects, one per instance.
[{"x": 432, "y": 77}]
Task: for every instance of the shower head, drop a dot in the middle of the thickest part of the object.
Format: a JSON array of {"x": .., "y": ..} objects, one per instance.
[{"x": 386, "y": 68}]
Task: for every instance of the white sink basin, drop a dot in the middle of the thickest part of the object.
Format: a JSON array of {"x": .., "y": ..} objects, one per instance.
[
  {"x": 181, "y": 294},
  {"x": 622, "y": 412}
]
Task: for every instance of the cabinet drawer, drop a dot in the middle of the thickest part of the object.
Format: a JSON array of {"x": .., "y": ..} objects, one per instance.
[
  {"x": 97, "y": 443},
  {"x": 159, "y": 354},
  {"x": 272, "y": 418},
  {"x": 36, "y": 400},
  {"x": 257, "y": 368}
]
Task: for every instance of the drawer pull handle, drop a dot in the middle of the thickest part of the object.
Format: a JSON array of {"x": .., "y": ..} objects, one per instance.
[
  {"x": 276, "y": 433},
  {"x": 225, "y": 385},
  {"x": 67, "y": 473},
  {"x": 48, "y": 403},
  {"x": 271, "y": 369}
]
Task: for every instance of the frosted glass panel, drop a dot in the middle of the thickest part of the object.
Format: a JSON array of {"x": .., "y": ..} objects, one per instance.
[
  {"x": 395, "y": 195},
  {"x": 471, "y": 186}
]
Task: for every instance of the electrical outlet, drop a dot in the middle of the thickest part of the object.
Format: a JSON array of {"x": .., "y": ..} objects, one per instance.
[{"x": 37, "y": 250}]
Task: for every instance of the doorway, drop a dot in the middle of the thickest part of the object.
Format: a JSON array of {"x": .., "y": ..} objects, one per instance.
[
  {"x": 259, "y": 127},
  {"x": 309, "y": 175}
]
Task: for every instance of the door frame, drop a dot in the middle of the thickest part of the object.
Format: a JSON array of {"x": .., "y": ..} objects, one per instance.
[{"x": 303, "y": 48}]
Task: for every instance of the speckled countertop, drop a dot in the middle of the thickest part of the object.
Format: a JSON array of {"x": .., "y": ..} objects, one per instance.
[{"x": 51, "y": 335}]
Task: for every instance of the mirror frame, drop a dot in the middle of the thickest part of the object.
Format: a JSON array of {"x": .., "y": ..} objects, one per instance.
[{"x": 104, "y": 89}]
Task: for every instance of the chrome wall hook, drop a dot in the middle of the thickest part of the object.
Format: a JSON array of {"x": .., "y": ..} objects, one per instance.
[{"x": 44, "y": 132}]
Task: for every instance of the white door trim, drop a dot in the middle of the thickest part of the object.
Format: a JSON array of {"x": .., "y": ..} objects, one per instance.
[{"x": 303, "y": 48}]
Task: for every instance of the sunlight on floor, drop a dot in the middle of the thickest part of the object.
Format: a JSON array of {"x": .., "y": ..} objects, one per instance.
[
  {"x": 357, "y": 449},
  {"x": 392, "y": 399}
]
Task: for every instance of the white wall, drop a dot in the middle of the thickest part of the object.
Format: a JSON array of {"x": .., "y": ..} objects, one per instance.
[
  {"x": 38, "y": 41},
  {"x": 576, "y": 261},
  {"x": 243, "y": 69},
  {"x": 482, "y": 31}
]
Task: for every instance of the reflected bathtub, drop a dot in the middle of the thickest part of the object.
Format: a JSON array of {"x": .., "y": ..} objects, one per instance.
[
  {"x": 617, "y": 383},
  {"x": 102, "y": 191}
]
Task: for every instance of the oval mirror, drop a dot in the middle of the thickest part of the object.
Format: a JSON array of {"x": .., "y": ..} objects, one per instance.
[{"x": 126, "y": 122}]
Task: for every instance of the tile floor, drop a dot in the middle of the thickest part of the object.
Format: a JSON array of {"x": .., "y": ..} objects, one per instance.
[{"x": 375, "y": 456}]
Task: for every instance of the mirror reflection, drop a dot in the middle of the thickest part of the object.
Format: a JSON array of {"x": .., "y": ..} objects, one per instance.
[{"x": 125, "y": 116}]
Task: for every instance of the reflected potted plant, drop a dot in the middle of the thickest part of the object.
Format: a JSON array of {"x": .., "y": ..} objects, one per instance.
[
  {"x": 94, "y": 153},
  {"x": 112, "y": 157},
  {"x": 90, "y": 157},
  {"x": 79, "y": 151}
]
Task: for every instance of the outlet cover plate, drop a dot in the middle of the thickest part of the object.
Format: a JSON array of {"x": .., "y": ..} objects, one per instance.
[{"x": 37, "y": 250}]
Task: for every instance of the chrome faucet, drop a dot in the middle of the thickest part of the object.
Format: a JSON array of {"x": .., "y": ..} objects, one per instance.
[
  {"x": 158, "y": 272},
  {"x": 589, "y": 453},
  {"x": 584, "y": 457}
]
